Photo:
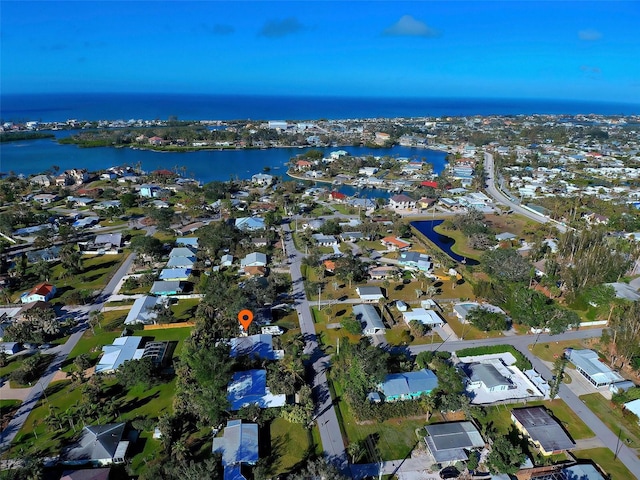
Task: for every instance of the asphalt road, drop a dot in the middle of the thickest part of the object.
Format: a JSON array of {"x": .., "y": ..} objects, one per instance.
[
  {"x": 325, "y": 414},
  {"x": 81, "y": 314}
]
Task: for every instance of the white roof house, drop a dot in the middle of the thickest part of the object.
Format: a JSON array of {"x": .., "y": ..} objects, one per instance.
[
  {"x": 255, "y": 259},
  {"x": 369, "y": 294},
  {"x": 634, "y": 407},
  {"x": 122, "y": 349},
  {"x": 143, "y": 310},
  {"x": 589, "y": 365},
  {"x": 424, "y": 316}
]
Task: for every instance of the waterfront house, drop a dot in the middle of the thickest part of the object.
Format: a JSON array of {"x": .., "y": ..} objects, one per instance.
[
  {"x": 262, "y": 179},
  {"x": 369, "y": 319},
  {"x": 338, "y": 197},
  {"x": 43, "y": 292},
  {"x": 42, "y": 180}
]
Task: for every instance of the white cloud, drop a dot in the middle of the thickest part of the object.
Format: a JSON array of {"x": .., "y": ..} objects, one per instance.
[
  {"x": 589, "y": 35},
  {"x": 408, "y": 26}
]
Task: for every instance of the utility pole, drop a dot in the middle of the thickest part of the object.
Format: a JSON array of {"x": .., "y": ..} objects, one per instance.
[{"x": 319, "y": 292}]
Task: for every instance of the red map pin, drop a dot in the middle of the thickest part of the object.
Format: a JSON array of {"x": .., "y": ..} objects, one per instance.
[{"x": 245, "y": 317}]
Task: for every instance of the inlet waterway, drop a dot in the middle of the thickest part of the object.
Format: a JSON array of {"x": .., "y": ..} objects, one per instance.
[
  {"x": 444, "y": 243},
  {"x": 36, "y": 156}
]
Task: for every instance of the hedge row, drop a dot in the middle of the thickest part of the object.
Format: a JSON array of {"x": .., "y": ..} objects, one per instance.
[{"x": 522, "y": 362}]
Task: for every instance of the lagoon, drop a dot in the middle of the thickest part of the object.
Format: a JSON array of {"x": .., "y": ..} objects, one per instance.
[
  {"x": 444, "y": 243},
  {"x": 35, "y": 156}
]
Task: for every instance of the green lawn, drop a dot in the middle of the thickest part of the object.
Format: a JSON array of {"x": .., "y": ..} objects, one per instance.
[
  {"x": 396, "y": 437},
  {"x": 184, "y": 310},
  {"x": 604, "y": 458},
  {"x": 552, "y": 350},
  {"x": 290, "y": 442},
  {"x": 612, "y": 416}
]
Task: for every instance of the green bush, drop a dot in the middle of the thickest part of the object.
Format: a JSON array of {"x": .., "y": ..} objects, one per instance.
[{"x": 522, "y": 362}]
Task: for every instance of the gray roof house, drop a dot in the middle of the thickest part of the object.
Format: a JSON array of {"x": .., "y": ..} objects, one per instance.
[
  {"x": 487, "y": 376},
  {"x": 98, "y": 445},
  {"x": 542, "y": 429},
  {"x": 260, "y": 345},
  {"x": 424, "y": 316},
  {"x": 181, "y": 252},
  {"x": 369, "y": 294},
  {"x": 368, "y": 315},
  {"x": 165, "y": 288},
  {"x": 415, "y": 260},
  {"x": 447, "y": 442}
]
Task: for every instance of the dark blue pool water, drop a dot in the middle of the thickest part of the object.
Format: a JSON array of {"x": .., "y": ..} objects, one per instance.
[{"x": 426, "y": 227}]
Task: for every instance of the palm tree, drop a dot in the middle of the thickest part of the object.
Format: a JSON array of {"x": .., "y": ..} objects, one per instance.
[
  {"x": 356, "y": 451},
  {"x": 95, "y": 318}
]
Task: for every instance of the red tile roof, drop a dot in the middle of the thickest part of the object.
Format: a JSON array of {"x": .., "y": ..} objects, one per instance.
[{"x": 43, "y": 289}]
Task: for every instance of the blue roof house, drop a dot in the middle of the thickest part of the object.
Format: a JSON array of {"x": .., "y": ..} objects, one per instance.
[
  {"x": 250, "y": 387},
  {"x": 409, "y": 385},
  {"x": 175, "y": 274},
  {"x": 250, "y": 223},
  {"x": 260, "y": 345},
  {"x": 238, "y": 445}
]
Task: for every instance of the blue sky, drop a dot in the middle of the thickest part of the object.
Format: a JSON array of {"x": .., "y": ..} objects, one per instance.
[{"x": 554, "y": 50}]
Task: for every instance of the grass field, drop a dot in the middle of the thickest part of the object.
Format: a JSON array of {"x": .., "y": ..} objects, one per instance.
[
  {"x": 553, "y": 350},
  {"x": 290, "y": 444},
  {"x": 396, "y": 438},
  {"x": 612, "y": 416},
  {"x": 604, "y": 458}
]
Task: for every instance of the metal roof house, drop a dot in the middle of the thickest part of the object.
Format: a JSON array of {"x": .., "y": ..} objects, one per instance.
[
  {"x": 238, "y": 446},
  {"x": 255, "y": 259},
  {"x": 447, "y": 442},
  {"x": 98, "y": 445},
  {"x": 121, "y": 350},
  {"x": 250, "y": 386},
  {"x": 191, "y": 242},
  {"x": 250, "y": 223},
  {"x": 589, "y": 365},
  {"x": 260, "y": 346},
  {"x": 368, "y": 315},
  {"x": 487, "y": 376},
  {"x": 181, "y": 252},
  {"x": 542, "y": 429},
  {"x": 634, "y": 407},
  {"x": 424, "y": 316},
  {"x": 181, "y": 262},
  {"x": 143, "y": 310},
  {"x": 408, "y": 385},
  {"x": 175, "y": 274}
]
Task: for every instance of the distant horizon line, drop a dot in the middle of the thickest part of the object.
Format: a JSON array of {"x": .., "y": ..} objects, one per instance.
[{"x": 333, "y": 96}]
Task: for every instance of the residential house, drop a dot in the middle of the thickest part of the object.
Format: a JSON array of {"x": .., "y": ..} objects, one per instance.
[
  {"x": 255, "y": 271},
  {"x": 45, "y": 198},
  {"x": 596, "y": 219},
  {"x": 226, "y": 260},
  {"x": 106, "y": 204},
  {"x": 103, "y": 244},
  {"x": 544, "y": 432},
  {"x": 166, "y": 288},
  {"x": 408, "y": 385},
  {"x": 462, "y": 309},
  {"x": 43, "y": 292},
  {"x": 30, "y": 231},
  {"x": 144, "y": 310},
  {"x": 121, "y": 350},
  {"x": 589, "y": 365},
  {"x": 249, "y": 387},
  {"x": 505, "y": 237},
  {"x": 394, "y": 243},
  {"x": 415, "y": 261},
  {"x": 382, "y": 272},
  {"x": 369, "y": 294},
  {"x": 351, "y": 236},
  {"x": 255, "y": 346},
  {"x": 487, "y": 376},
  {"x": 634, "y": 407},
  {"x": 10, "y": 348},
  {"x": 150, "y": 191},
  {"x": 449, "y": 442},
  {"x": 50, "y": 254},
  {"x": 181, "y": 262},
  {"x": 85, "y": 222},
  {"x": 402, "y": 202},
  {"x": 426, "y": 317},
  {"x": 368, "y": 171},
  {"x": 42, "y": 180},
  {"x": 325, "y": 240},
  {"x": 189, "y": 242},
  {"x": 262, "y": 179},
  {"x": 98, "y": 445},
  {"x": 425, "y": 202},
  {"x": 238, "y": 446},
  {"x": 338, "y": 197},
  {"x": 79, "y": 201},
  {"x": 369, "y": 318},
  {"x": 250, "y": 224},
  {"x": 87, "y": 474},
  {"x": 175, "y": 274},
  {"x": 255, "y": 259}
]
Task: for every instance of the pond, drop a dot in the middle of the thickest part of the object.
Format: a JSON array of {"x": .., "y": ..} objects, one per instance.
[{"x": 444, "y": 243}]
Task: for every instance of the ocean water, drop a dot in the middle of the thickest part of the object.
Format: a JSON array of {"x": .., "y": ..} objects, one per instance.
[{"x": 125, "y": 106}]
